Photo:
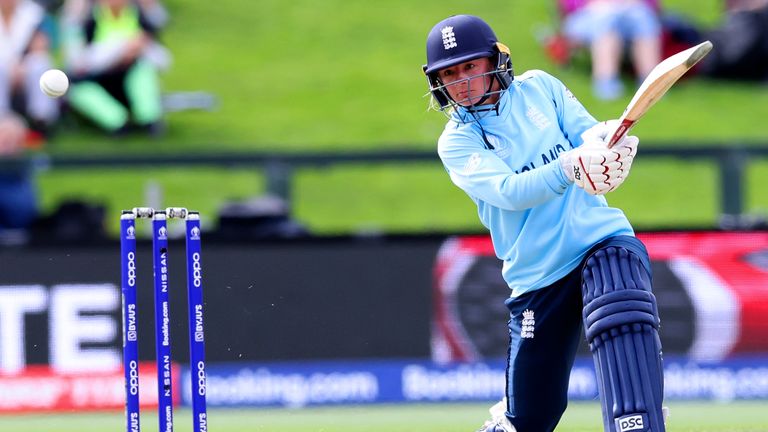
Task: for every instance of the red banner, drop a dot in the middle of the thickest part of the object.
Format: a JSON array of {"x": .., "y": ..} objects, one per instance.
[
  {"x": 726, "y": 274},
  {"x": 39, "y": 388},
  {"x": 711, "y": 287}
]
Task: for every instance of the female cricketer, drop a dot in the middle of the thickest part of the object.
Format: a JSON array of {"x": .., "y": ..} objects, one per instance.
[{"x": 536, "y": 164}]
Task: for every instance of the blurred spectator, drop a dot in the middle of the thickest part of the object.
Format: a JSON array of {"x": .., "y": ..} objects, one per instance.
[
  {"x": 113, "y": 58},
  {"x": 740, "y": 43},
  {"x": 155, "y": 12},
  {"x": 18, "y": 198},
  {"x": 607, "y": 27},
  {"x": 24, "y": 56}
]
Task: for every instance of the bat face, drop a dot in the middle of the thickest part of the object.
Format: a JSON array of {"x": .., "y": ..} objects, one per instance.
[{"x": 656, "y": 84}]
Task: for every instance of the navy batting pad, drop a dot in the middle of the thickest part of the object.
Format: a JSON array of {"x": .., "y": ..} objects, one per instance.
[{"x": 621, "y": 323}]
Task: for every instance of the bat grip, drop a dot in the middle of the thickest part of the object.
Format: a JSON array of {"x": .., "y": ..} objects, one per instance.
[{"x": 621, "y": 131}]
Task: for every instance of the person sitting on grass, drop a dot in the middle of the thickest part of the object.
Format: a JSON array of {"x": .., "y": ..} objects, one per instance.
[
  {"x": 113, "y": 58},
  {"x": 609, "y": 28}
]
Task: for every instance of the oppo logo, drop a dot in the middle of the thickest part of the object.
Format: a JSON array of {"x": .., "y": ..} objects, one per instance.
[
  {"x": 201, "y": 378},
  {"x": 133, "y": 382},
  {"x": 196, "y": 270},
  {"x": 131, "y": 269}
]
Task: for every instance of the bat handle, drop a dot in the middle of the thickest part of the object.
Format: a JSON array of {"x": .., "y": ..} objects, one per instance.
[{"x": 620, "y": 132}]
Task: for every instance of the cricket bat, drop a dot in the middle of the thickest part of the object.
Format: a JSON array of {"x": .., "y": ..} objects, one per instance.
[{"x": 656, "y": 84}]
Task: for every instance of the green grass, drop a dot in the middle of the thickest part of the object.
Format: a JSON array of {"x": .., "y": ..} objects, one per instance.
[
  {"x": 338, "y": 74},
  {"x": 406, "y": 199},
  {"x": 202, "y": 189},
  {"x": 757, "y": 199},
  {"x": 343, "y": 75},
  {"x": 580, "y": 417}
]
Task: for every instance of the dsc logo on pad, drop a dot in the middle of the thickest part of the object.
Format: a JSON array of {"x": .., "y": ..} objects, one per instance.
[{"x": 630, "y": 423}]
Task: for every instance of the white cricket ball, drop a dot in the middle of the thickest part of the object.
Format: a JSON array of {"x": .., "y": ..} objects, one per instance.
[{"x": 54, "y": 83}]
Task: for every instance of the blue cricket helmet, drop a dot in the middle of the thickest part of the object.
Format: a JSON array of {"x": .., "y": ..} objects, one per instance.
[{"x": 458, "y": 39}]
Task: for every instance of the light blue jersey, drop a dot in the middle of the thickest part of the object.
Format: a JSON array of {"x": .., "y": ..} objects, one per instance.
[{"x": 541, "y": 224}]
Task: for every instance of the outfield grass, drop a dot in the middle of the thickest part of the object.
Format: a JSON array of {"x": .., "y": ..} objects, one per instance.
[
  {"x": 580, "y": 417},
  {"x": 202, "y": 189},
  {"x": 406, "y": 199},
  {"x": 344, "y": 75}
]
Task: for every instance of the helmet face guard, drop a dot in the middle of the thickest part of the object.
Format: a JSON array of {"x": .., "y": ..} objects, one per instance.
[
  {"x": 459, "y": 39},
  {"x": 502, "y": 74}
]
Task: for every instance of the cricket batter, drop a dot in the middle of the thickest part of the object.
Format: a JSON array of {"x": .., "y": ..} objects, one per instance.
[{"x": 536, "y": 164}]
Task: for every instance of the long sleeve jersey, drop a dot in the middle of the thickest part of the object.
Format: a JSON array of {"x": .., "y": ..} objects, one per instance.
[{"x": 541, "y": 224}]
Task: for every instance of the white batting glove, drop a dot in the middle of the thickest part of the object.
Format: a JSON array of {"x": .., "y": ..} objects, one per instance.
[
  {"x": 597, "y": 169},
  {"x": 600, "y": 131},
  {"x": 599, "y": 135},
  {"x": 627, "y": 148}
]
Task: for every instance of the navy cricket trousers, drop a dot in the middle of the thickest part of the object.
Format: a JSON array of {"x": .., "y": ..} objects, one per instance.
[{"x": 545, "y": 328}]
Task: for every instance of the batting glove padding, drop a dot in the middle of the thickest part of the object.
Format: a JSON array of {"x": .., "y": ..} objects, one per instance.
[
  {"x": 598, "y": 169},
  {"x": 603, "y": 131}
]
